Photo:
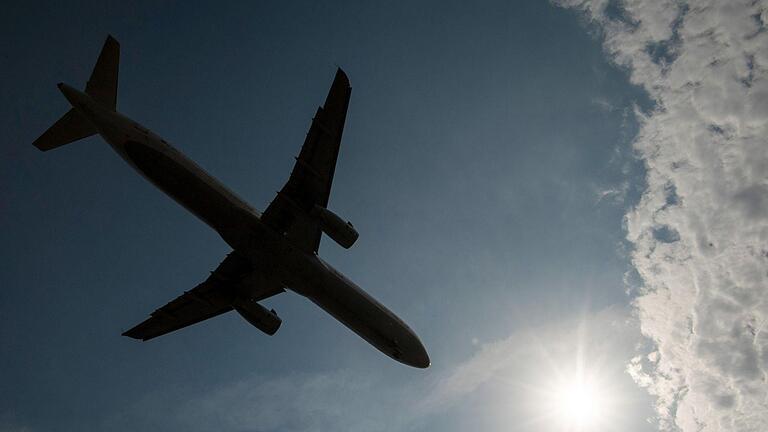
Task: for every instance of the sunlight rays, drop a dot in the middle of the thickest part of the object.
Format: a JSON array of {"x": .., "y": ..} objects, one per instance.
[{"x": 575, "y": 385}]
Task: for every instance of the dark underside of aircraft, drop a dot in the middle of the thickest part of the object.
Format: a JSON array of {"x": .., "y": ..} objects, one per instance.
[{"x": 271, "y": 251}]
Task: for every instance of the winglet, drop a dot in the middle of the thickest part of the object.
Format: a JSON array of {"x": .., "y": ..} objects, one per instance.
[{"x": 338, "y": 95}]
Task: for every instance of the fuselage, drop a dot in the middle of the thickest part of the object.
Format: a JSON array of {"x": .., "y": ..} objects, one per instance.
[{"x": 240, "y": 226}]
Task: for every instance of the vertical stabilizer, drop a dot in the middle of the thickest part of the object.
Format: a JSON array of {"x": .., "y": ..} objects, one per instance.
[{"x": 102, "y": 86}]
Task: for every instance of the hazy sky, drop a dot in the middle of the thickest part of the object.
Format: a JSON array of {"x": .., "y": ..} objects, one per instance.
[{"x": 514, "y": 170}]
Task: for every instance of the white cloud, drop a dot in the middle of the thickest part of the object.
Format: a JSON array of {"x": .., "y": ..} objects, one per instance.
[
  {"x": 597, "y": 342},
  {"x": 511, "y": 369},
  {"x": 14, "y": 428},
  {"x": 705, "y": 147},
  {"x": 603, "y": 104},
  {"x": 617, "y": 193},
  {"x": 298, "y": 402},
  {"x": 9, "y": 422},
  {"x": 510, "y": 372}
]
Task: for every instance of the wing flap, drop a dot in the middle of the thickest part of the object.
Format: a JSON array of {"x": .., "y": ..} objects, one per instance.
[
  {"x": 211, "y": 298},
  {"x": 189, "y": 308},
  {"x": 312, "y": 176}
]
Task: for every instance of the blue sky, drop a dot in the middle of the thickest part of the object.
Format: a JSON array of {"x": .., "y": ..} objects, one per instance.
[{"x": 486, "y": 162}]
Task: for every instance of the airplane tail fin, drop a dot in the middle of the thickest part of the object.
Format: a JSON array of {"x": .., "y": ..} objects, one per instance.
[{"x": 102, "y": 87}]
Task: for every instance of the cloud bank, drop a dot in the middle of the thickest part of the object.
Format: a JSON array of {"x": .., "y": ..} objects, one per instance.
[{"x": 700, "y": 230}]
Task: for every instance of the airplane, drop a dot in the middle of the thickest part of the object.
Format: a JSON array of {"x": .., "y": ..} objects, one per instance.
[{"x": 271, "y": 251}]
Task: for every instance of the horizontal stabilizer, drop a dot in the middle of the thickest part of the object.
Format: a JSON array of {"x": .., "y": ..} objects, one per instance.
[
  {"x": 71, "y": 127},
  {"x": 102, "y": 87}
]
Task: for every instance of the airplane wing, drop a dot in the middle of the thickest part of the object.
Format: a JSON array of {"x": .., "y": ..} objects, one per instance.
[
  {"x": 312, "y": 175},
  {"x": 211, "y": 298}
]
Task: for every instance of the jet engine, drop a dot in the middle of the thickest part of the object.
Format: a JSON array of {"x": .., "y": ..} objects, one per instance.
[
  {"x": 341, "y": 232},
  {"x": 256, "y": 314}
]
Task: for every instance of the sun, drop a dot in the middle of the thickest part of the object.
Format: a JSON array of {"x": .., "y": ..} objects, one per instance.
[
  {"x": 579, "y": 404},
  {"x": 579, "y": 399},
  {"x": 576, "y": 382}
]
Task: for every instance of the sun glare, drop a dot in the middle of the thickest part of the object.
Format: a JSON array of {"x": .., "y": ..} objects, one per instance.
[
  {"x": 576, "y": 384},
  {"x": 579, "y": 405}
]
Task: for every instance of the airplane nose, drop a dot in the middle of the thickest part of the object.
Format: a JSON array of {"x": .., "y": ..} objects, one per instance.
[
  {"x": 416, "y": 355},
  {"x": 421, "y": 359}
]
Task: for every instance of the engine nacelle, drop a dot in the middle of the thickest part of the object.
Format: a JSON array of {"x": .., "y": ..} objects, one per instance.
[
  {"x": 341, "y": 232},
  {"x": 256, "y": 314}
]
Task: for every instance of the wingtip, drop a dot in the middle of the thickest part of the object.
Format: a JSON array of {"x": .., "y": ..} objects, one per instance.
[
  {"x": 127, "y": 333},
  {"x": 111, "y": 40},
  {"x": 38, "y": 144},
  {"x": 341, "y": 76}
]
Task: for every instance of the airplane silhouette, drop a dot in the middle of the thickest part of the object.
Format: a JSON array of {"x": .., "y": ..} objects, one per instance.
[{"x": 272, "y": 251}]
